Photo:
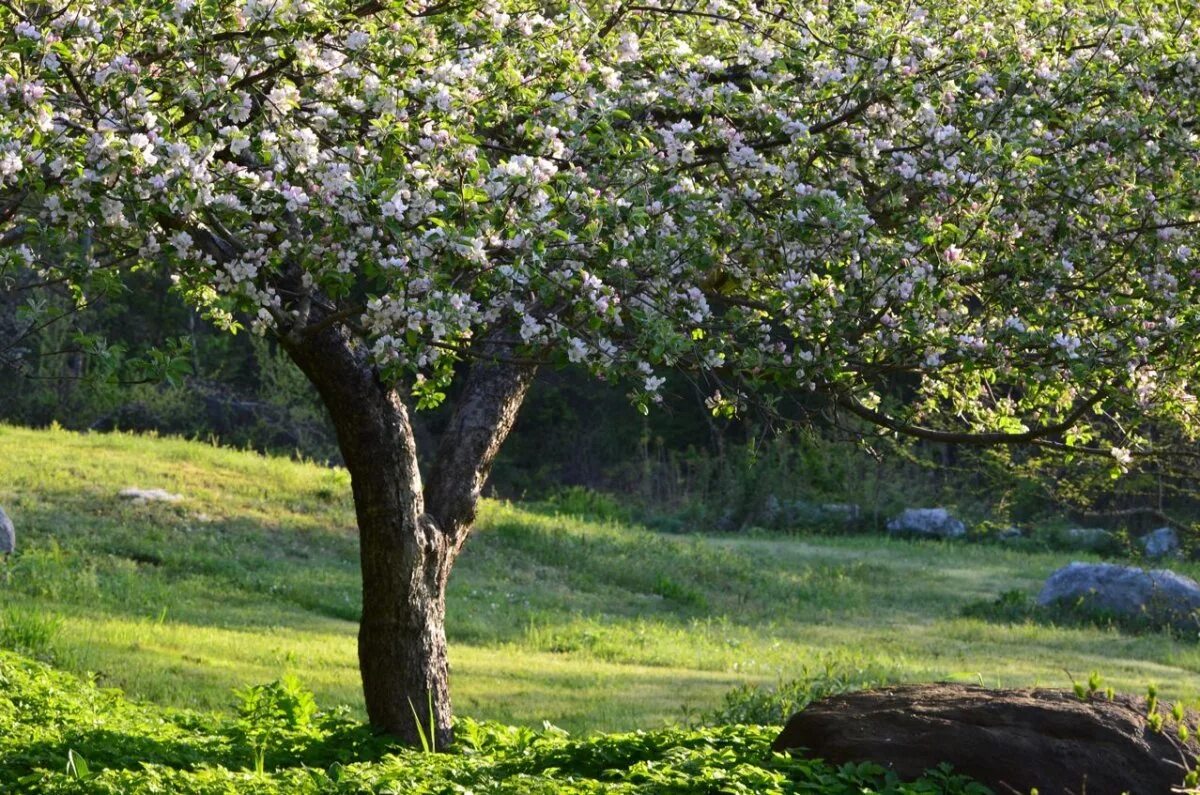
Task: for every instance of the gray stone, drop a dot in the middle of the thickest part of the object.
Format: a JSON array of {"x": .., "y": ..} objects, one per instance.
[
  {"x": 927, "y": 522},
  {"x": 1088, "y": 537},
  {"x": 1161, "y": 543},
  {"x": 143, "y": 496},
  {"x": 1160, "y": 596},
  {"x": 1010, "y": 533},
  {"x": 8, "y": 534}
]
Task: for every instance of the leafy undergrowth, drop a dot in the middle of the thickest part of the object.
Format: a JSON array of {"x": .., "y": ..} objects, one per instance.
[{"x": 62, "y": 734}]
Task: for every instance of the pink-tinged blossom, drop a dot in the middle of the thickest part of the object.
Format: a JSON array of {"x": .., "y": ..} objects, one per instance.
[{"x": 10, "y": 164}]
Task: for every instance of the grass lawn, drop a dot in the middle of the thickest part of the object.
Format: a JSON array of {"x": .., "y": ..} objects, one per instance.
[{"x": 591, "y": 625}]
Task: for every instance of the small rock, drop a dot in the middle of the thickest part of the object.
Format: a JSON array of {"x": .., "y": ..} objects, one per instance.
[
  {"x": 143, "y": 496},
  {"x": 927, "y": 522},
  {"x": 1161, "y": 596},
  {"x": 1161, "y": 543},
  {"x": 1010, "y": 534},
  {"x": 1009, "y": 740},
  {"x": 8, "y": 534}
]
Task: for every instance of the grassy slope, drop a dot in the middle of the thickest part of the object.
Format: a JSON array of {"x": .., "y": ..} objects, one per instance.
[{"x": 589, "y": 625}]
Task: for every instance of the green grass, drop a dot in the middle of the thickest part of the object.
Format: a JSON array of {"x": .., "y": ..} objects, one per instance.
[{"x": 592, "y": 625}]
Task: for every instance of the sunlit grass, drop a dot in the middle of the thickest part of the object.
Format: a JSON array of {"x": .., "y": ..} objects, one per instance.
[{"x": 589, "y": 624}]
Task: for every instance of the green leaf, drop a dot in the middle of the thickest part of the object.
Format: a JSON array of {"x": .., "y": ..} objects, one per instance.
[{"x": 76, "y": 766}]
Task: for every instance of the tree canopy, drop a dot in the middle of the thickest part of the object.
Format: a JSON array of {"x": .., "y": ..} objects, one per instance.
[{"x": 994, "y": 204}]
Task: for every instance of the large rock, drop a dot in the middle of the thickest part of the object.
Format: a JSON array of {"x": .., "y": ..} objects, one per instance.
[
  {"x": 1159, "y": 596},
  {"x": 928, "y": 522},
  {"x": 1161, "y": 543},
  {"x": 8, "y": 535},
  {"x": 1010, "y": 740}
]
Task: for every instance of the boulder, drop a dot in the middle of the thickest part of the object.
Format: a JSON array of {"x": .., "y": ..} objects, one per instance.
[
  {"x": 1161, "y": 543},
  {"x": 926, "y": 522},
  {"x": 1159, "y": 596},
  {"x": 143, "y": 496},
  {"x": 8, "y": 534},
  {"x": 1009, "y": 740},
  {"x": 1010, "y": 533}
]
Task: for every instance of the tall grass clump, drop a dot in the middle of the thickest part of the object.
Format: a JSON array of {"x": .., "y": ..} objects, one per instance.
[
  {"x": 774, "y": 705},
  {"x": 28, "y": 631}
]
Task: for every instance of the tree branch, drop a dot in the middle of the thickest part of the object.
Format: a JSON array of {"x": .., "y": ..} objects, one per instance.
[
  {"x": 968, "y": 437},
  {"x": 483, "y": 416}
]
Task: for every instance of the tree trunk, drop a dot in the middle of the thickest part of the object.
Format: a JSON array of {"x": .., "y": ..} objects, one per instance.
[
  {"x": 405, "y": 565},
  {"x": 407, "y": 551}
]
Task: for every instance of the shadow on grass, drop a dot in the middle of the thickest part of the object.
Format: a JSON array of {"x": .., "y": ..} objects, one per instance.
[
  {"x": 157, "y": 563},
  {"x": 142, "y": 562},
  {"x": 695, "y": 576},
  {"x": 1019, "y": 607}
]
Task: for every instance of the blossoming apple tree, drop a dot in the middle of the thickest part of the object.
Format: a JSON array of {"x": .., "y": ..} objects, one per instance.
[{"x": 988, "y": 209}]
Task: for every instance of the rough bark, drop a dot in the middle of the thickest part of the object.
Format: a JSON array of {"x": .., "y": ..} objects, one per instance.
[
  {"x": 483, "y": 416},
  {"x": 407, "y": 550}
]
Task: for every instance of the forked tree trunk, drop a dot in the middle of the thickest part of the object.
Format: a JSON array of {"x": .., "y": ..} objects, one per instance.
[{"x": 407, "y": 549}]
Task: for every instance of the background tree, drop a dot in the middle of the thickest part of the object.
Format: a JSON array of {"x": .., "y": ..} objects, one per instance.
[{"x": 995, "y": 207}]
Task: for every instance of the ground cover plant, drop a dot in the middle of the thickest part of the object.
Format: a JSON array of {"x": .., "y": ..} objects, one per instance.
[{"x": 65, "y": 735}]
